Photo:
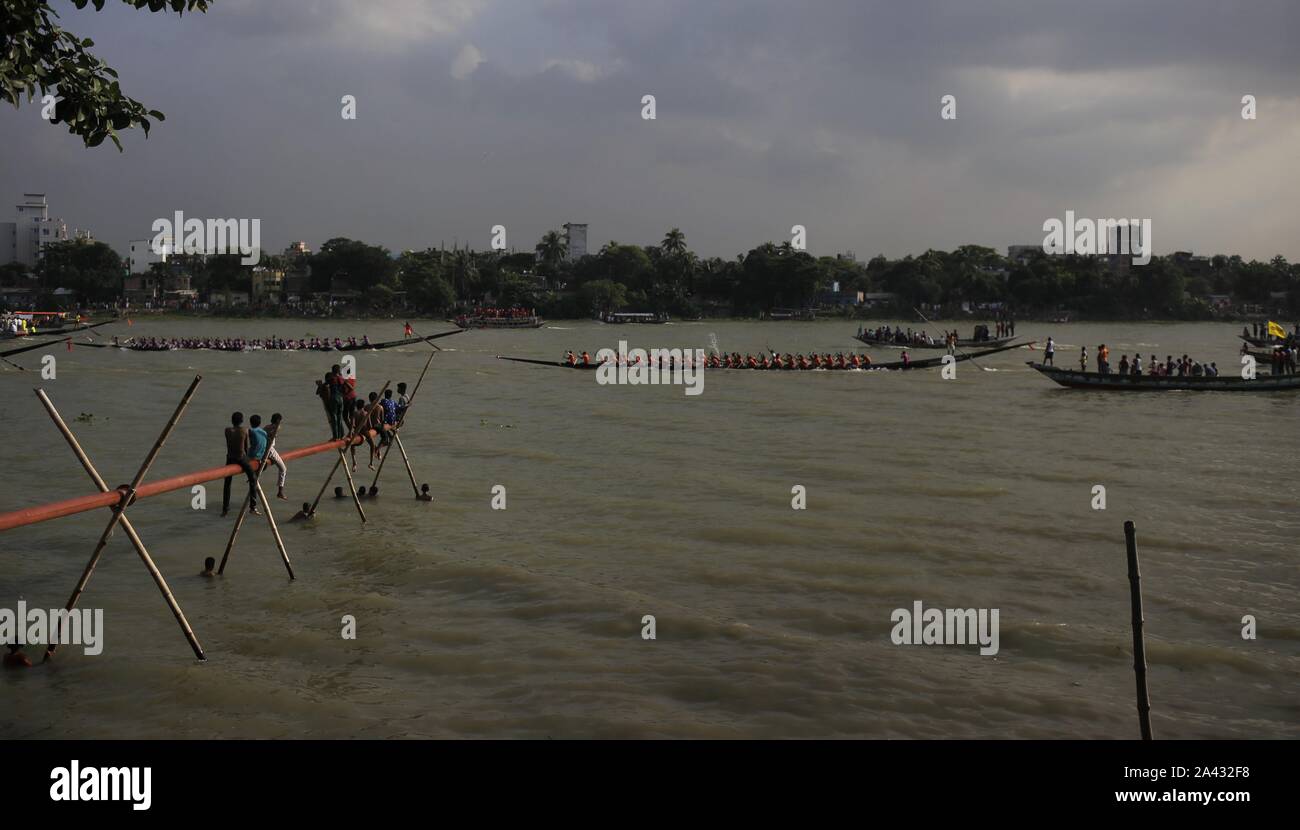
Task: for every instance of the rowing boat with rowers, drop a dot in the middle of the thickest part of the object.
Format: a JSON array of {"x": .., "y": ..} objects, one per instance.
[
  {"x": 1112, "y": 381},
  {"x": 897, "y": 365},
  {"x": 532, "y": 322},
  {"x": 218, "y": 345}
]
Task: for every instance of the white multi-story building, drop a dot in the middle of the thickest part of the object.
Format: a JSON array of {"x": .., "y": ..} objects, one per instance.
[
  {"x": 22, "y": 240},
  {"x": 142, "y": 254},
  {"x": 576, "y": 235}
]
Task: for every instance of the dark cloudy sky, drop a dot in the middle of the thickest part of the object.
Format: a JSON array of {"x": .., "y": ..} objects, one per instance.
[{"x": 473, "y": 113}]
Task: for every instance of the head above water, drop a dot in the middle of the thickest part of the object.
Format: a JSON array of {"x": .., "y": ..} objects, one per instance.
[
  {"x": 338, "y": 492},
  {"x": 374, "y": 396},
  {"x": 236, "y": 418},
  {"x": 255, "y": 421},
  {"x": 374, "y": 489},
  {"x": 401, "y": 387},
  {"x": 209, "y": 563},
  {"x": 336, "y": 369},
  {"x": 277, "y": 418},
  {"x": 388, "y": 393}
]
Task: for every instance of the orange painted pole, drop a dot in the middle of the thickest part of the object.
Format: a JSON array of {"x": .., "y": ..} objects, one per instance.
[{"x": 97, "y": 501}]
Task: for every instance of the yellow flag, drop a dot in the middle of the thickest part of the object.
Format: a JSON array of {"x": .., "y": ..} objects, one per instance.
[{"x": 1274, "y": 330}]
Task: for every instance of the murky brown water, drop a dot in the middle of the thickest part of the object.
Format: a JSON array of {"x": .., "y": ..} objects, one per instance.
[{"x": 627, "y": 501}]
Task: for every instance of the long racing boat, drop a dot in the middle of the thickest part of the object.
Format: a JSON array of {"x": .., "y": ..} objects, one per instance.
[
  {"x": 238, "y": 345},
  {"x": 533, "y": 322},
  {"x": 897, "y": 365}
]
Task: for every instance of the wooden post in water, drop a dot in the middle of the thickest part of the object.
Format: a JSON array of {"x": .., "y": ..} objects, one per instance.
[
  {"x": 119, "y": 517},
  {"x": 1139, "y": 645}
]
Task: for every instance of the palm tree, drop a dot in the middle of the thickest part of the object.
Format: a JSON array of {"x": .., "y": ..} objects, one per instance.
[
  {"x": 674, "y": 243},
  {"x": 550, "y": 252}
]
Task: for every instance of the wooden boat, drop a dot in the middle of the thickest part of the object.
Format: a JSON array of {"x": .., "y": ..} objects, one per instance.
[
  {"x": 498, "y": 322},
  {"x": 805, "y": 314},
  {"x": 898, "y": 365},
  {"x": 1075, "y": 379},
  {"x": 961, "y": 344},
  {"x": 41, "y": 332},
  {"x": 644, "y": 317},
  {"x": 1270, "y": 342}
]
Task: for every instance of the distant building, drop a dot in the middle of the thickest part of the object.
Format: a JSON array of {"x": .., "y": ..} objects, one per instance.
[
  {"x": 142, "y": 289},
  {"x": 296, "y": 285},
  {"x": 142, "y": 256},
  {"x": 576, "y": 235},
  {"x": 1192, "y": 265},
  {"x": 875, "y": 298},
  {"x": 836, "y": 296},
  {"x": 22, "y": 240},
  {"x": 268, "y": 283},
  {"x": 1021, "y": 254}
]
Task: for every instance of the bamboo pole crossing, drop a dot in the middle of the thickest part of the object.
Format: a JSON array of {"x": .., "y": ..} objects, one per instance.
[{"x": 83, "y": 504}]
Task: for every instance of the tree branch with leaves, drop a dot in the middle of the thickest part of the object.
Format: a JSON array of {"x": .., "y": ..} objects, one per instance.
[{"x": 39, "y": 58}]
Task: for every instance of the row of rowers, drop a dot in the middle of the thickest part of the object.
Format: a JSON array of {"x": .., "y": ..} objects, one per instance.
[{"x": 736, "y": 360}]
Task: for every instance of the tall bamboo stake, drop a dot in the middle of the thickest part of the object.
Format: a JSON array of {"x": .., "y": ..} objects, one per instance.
[
  {"x": 275, "y": 531},
  {"x": 397, "y": 427},
  {"x": 125, "y": 522},
  {"x": 1139, "y": 645},
  {"x": 411, "y": 473}
]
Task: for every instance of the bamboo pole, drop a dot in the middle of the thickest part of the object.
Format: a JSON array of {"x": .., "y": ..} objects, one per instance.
[
  {"x": 351, "y": 437},
  {"x": 83, "y": 504},
  {"x": 234, "y": 532},
  {"x": 400, "y": 422},
  {"x": 398, "y": 440},
  {"x": 1139, "y": 645},
  {"x": 134, "y": 537},
  {"x": 352, "y": 487},
  {"x": 275, "y": 531}
]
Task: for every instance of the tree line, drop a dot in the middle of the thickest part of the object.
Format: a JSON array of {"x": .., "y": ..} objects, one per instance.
[{"x": 669, "y": 278}]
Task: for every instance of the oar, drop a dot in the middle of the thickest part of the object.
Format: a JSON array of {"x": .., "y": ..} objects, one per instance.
[
  {"x": 954, "y": 345},
  {"x": 4, "y": 355}
]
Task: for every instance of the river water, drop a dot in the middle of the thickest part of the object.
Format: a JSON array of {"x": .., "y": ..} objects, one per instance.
[{"x": 626, "y": 501}]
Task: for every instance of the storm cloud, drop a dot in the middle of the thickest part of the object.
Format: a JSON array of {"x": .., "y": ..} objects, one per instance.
[{"x": 827, "y": 114}]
